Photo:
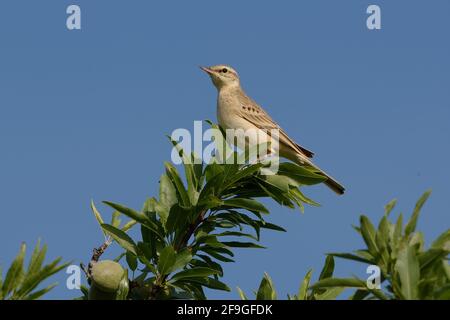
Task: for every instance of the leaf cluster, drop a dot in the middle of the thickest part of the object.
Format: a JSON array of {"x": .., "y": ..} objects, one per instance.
[
  {"x": 21, "y": 283},
  {"x": 200, "y": 218}
]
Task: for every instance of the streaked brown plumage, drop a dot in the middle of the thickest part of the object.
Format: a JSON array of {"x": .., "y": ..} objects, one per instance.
[{"x": 235, "y": 110}]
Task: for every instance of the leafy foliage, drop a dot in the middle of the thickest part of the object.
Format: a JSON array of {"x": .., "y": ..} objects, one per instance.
[
  {"x": 199, "y": 219},
  {"x": 267, "y": 291},
  {"x": 20, "y": 282},
  {"x": 408, "y": 271},
  {"x": 195, "y": 224}
]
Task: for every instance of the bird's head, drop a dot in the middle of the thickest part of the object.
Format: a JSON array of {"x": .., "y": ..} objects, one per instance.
[{"x": 222, "y": 76}]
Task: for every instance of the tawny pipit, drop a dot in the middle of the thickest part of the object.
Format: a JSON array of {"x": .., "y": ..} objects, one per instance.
[{"x": 235, "y": 110}]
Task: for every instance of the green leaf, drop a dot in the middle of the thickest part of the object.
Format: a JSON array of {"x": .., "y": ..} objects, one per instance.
[
  {"x": 396, "y": 237},
  {"x": 37, "y": 294},
  {"x": 167, "y": 258},
  {"x": 172, "y": 173},
  {"x": 443, "y": 293},
  {"x": 127, "y": 226},
  {"x": 209, "y": 283},
  {"x": 211, "y": 241},
  {"x": 300, "y": 196},
  {"x": 382, "y": 240},
  {"x": 241, "y": 294},
  {"x": 121, "y": 238},
  {"x": 243, "y": 203},
  {"x": 242, "y": 174},
  {"x": 300, "y": 175},
  {"x": 278, "y": 181},
  {"x": 131, "y": 260},
  {"x": 360, "y": 294},
  {"x": 138, "y": 216},
  {"x": 411, "y": 225},
  {"x": 115, "y": 220},
  {"x": 194, "y": 273},
  {"x": 266, "y": 289},
  {"x": 237, "y": 244},
  {"x": 37, "y": 258},
  {"x": 235, "y": 234},
  {"x": 365, "y": 254},
  {"x": 149, "y": 206},
  {"x": 303, "y": 291},
  {"x": 146, "y": 250},
  {"x": 209, "y": 263},
  {"x": 282, "y": 198},
  {"x": 382, "y": 236},
  {"x": 97, "y": 214},
  {"x": 328, "y": 268},
  {"x": 182, "y": 259},
  {"x": 389, "y": 207},
  {"x": 339, "y": 282},
  {"x": 368, "y": 232},
  {"x": 124, "y": 287},
  {"x": 430, "y": 256},
  {"x": 33, "y": 280},
  {"x": 191, "y": 163},
  {"x": 135, "y": 215},
  {"x": 167, "y": 192},
  {"x": 271, "y": 226},
  {"x": 178, "y": 218},
  {"x": 223, "y": 148},
  {"x": 443, "y": 241},
  {"x": 15, "y": 273},
  {"x": 213, "y": 253},
  {"x": 417, "y": 240},
  {"x": 350, "y": 256},
  {"x": 408, "y": 269},
  {"x": 329, "y": 294},
  {"x": 1, "y": 283},
  {"x": 215, "y": 176},
  {"x": 210, "y": 202}
]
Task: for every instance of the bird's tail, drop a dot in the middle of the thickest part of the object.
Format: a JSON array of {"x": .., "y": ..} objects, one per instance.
[
  {"x": 334, "y": 185},
  {"x": 330, "y": 182}
]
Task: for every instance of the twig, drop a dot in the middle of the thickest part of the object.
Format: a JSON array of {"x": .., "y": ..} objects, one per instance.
[
  {"x": 191, "y": 229},
  {"x": 96, "y": 254}
]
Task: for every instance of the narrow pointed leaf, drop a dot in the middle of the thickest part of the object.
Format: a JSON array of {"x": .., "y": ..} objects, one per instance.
[
  {"x": 411, "y": 225},
  {"x": 328, "y": 268},
  {"x": 15, "y": 272},
  {"x": 194, "y": 273},
  {"x": 368, "y": 232},
  {"x": 408, "y": 269},
  {"x": 266, "y": 289},
  {"x": 303, "y": 291},
  {"x": 167, "y": 260},
  {"x": 241, "y": 294},
  {"x": 389, "y": 207},
  {"x": 121, "y": 238},
  {"x": 339, "y": 282},
  {"x": 172, "y": 173},
  {"x": 248, "y": 204}
]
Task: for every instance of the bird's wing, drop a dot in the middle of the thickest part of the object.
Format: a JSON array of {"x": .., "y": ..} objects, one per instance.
[{"x": 254, "y": 114}]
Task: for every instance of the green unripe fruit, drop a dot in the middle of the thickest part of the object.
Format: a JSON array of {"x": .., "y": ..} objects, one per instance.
[
  {"x": 106, "y": 276},
  {"x": 97, "y": 294}
]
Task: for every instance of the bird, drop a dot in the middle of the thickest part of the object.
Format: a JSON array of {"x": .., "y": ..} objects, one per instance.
[{"x": 235, "y": 110}]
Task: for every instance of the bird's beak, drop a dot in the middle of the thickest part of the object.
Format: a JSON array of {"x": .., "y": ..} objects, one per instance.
[{"x": 207, "y": 70}]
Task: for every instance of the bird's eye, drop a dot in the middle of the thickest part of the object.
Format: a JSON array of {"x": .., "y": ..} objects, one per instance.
[{"x": 224, "y": 70}]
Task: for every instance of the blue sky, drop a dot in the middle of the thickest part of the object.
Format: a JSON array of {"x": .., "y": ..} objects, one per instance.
[{"x": 84, "y": 114}]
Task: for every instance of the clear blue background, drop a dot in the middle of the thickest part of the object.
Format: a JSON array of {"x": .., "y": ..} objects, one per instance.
[{"x": 83, "y": 115}]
